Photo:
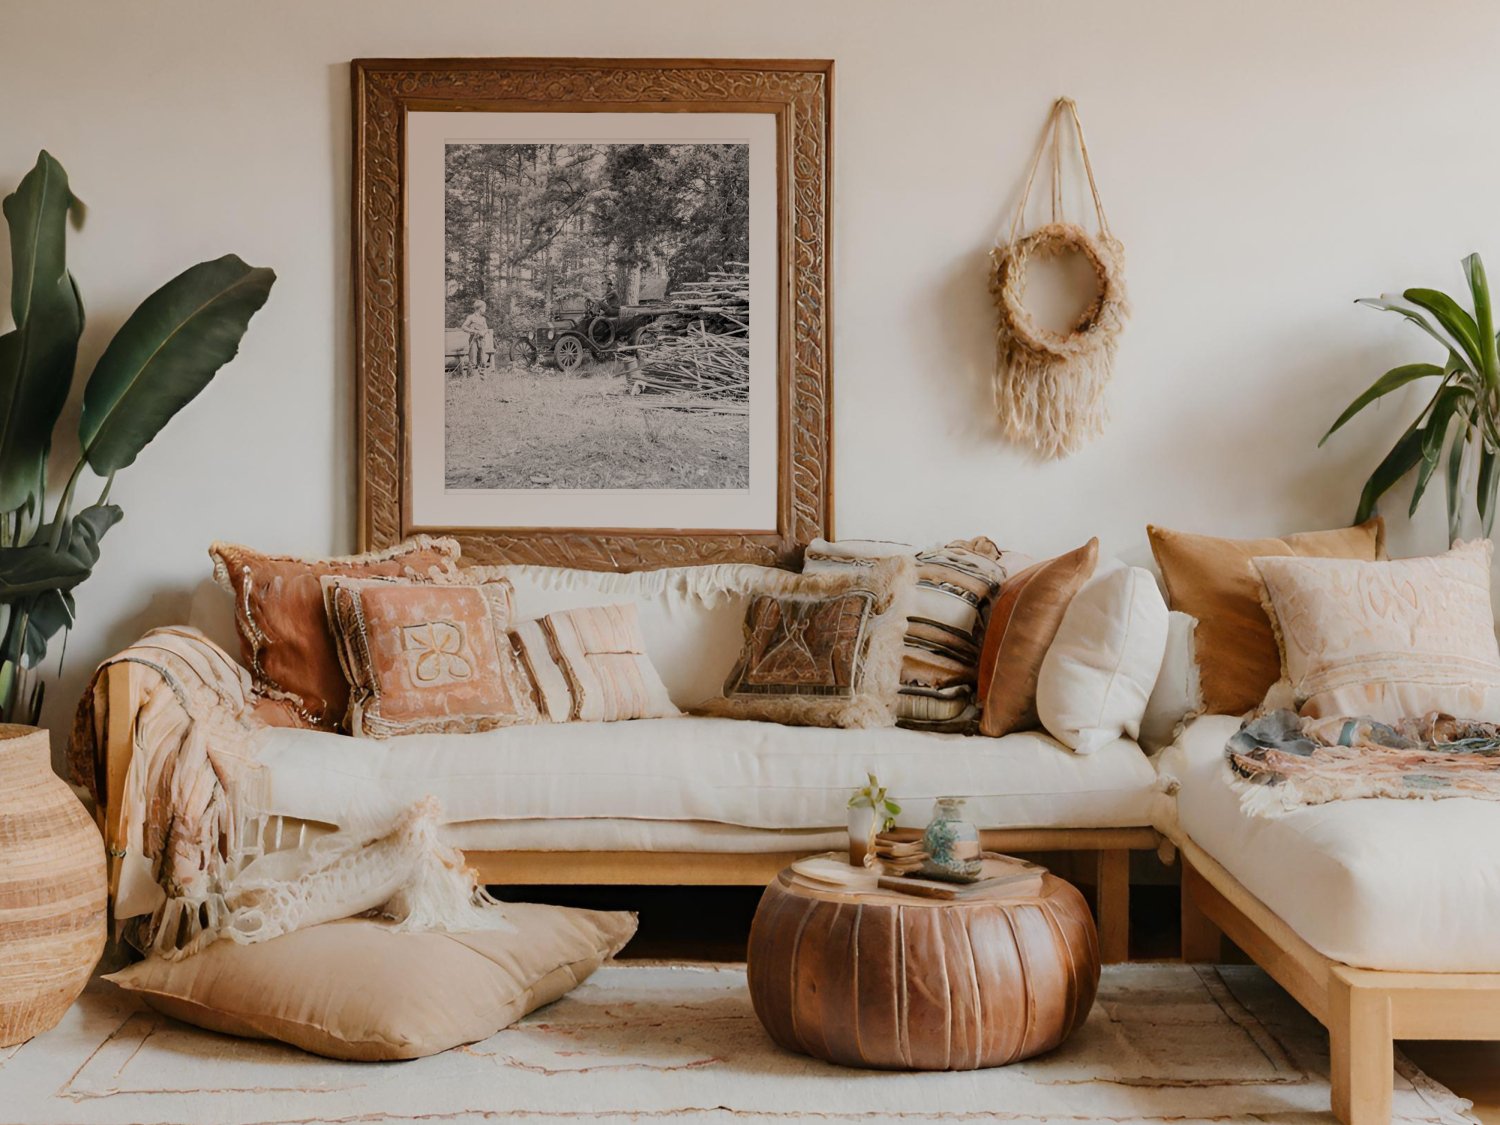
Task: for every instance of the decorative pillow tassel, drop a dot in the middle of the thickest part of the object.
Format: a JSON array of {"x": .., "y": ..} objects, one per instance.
[{"x": 1049, "y": 386}]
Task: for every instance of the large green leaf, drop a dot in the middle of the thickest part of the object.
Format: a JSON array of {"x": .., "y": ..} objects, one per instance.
[
  {"x": 1394, "y": 379},
  {"x": 37, "y": 356},
  {"x": 164, "y": 355},
  {"x": 1391, "y": 302},
  {"x": 1454, "y": 319},
  {"x": 1454, "y": 480},
  {"x": 35, "y": 568},
  {"x": 1402, "y": 458}
]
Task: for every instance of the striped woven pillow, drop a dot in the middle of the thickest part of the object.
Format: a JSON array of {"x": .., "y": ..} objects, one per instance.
[{"x": 955, "y": 585}]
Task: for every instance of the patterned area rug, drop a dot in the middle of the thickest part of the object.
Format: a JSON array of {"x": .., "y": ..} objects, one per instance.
[{"x": 645, "y": 1042}]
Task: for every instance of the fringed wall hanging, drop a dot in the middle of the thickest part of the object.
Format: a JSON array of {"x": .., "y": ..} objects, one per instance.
[{"x": 1049, "y": 386}]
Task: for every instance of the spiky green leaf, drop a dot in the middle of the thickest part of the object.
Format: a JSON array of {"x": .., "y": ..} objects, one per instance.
[
  {"x": 1489, "y": 478},
  {"x": 1455, "y": 321},
  {"x": 1402, "y": 458},
  {"x": 1392, "y": 380}
]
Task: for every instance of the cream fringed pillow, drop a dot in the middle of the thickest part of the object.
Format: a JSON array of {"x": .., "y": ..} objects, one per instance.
[
  {"x": 1388, "y": 640},
  {"x": 356, "y": 990},
  {"x": 590, "y": 665},
  {"x": 823, "y": 650},
  {"x": 427, "y": 657}
]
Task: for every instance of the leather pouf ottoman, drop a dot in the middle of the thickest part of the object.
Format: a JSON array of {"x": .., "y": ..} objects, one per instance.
[{"x": 889, "y": 980}]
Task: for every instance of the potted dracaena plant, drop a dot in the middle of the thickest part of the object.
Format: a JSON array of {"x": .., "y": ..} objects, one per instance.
[
  {"x": 1458, "y": 426},
  {"x": 164, "y": 354}
]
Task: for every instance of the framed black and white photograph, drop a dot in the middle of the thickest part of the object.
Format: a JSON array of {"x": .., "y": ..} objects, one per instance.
[{"x": 602, "y": 303}]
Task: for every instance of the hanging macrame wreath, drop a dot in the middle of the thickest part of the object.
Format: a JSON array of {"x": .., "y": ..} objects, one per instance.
[{"x": 1049, "y": 386}]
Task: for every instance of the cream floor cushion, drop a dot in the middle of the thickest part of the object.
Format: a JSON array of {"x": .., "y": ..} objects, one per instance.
[
  {"x": 728, "y": 771},
  {"x": 1379, "y": 884}
]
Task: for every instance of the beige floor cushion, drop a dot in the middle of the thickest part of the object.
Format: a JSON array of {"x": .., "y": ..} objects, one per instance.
[{"x": 358, "y": 990}]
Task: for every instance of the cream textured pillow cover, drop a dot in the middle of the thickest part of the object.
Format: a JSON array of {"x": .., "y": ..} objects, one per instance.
[
  {"x": 356, "y": 990},
  {"x": 1390, "y": 640},
  {"x": 1099, "y": 671},
  {"x": 590, "y": 665},
  {"x": 1177, "y": 694}
]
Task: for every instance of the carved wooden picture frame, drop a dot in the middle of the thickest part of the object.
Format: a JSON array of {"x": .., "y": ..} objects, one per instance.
[{"x": 392, "y": 99}]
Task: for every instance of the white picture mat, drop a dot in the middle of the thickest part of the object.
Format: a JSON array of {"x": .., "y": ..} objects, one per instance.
[{"x": 433, "y": 504}]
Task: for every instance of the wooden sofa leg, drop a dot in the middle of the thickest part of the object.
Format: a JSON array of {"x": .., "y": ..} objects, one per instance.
[
  {"x": 1112, "y": 886},
  {"x": 1361, "y": 1052},
  {"x": 1202, "y": 941}
]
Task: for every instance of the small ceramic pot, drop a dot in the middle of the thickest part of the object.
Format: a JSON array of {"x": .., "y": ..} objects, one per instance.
[
  {"x": 861, "y": 832},
  {"x": 951, "y": 843}
]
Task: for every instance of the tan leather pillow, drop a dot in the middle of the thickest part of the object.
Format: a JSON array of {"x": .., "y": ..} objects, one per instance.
[
  {"x": 1023, "y": 622},
  {"x": 427, "y": 657},
  {"x": 1215, "y": 581},
  {"x": 285, "y": 640},
  {"x": 357, "y": 990}
]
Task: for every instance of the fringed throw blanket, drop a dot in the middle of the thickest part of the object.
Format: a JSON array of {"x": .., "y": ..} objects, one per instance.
[
  {"x": 1281, "y": 761},
  {"x": 190, "y": 840}
]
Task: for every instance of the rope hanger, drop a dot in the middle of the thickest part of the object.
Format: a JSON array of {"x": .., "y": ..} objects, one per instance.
[{"x": 1049, "y": 386}]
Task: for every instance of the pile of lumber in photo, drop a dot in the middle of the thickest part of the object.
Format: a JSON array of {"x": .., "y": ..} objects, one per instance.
[{"x": 708, "y": 360}]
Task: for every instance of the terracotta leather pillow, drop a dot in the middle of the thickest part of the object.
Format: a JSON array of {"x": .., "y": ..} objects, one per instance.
[
  {"x": 1023, "y": 622},
  {"x": 1215, "y": 581},
  {"x": 427, "y": 657},
  {"x": 285, "y": 640},
  {"x": 358, "y": 990}
]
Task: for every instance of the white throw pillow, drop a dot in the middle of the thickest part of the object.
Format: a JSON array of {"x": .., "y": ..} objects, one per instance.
[
  {"x": 1098, "y": 674},
  {"x": 1178, "y": 694}
]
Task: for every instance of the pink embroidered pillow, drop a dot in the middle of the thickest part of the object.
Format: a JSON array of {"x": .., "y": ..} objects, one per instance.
[
  {"x": 590, "y": 665},
  {"x": 1390, "y": 640},
  {"x": 427, "y": 657}
]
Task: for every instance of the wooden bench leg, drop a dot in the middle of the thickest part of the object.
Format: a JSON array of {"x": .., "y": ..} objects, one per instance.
[
  {"x": 1112, "y": 886},
  {"x": 1202, "y": 941},
  {"x": 1361, "y": 1052}
]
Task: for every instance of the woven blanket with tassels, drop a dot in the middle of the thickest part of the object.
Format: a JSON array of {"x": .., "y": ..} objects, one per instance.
[{"x": 190, "y": 846}]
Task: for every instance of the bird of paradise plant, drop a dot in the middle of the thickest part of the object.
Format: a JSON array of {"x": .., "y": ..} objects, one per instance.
[
  {"x": 163, "y": 355},
  {"x": 1458, "y": 426}
]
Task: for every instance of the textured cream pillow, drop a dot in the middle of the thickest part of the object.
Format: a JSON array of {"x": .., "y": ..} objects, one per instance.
[
  {"x": 1177, "y": 693},
  {"x": 1390, "y": 640},
  {"x": 1099, "y": 671},
  {"x": 357, "y": 990},
  {"x": 590, "y": 666}
]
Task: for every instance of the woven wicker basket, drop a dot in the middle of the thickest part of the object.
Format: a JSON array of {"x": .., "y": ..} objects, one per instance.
[{"x": 52, "y": 889}]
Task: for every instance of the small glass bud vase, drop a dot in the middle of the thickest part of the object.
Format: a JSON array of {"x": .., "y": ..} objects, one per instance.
[{"x": 951, "y": 843}]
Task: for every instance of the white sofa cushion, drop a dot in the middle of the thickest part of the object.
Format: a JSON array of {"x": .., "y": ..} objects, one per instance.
[
  {"x": 731, "y": 771},
  {"x": 1378, "y": 884},
  {"x": 1101, "y": 665}
]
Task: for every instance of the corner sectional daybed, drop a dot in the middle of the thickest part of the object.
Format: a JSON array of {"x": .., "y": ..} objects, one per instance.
[
  {"x": 687, "y": 800},
  {"x": 1378, "y": 915}
]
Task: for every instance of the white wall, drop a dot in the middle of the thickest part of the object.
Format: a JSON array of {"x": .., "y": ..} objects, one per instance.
[{"x": 1264, "y": 164}]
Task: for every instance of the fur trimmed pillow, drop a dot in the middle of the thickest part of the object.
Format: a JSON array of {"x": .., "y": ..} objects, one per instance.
[
  {"x": 285, "y": 639},
  {"x": 823, "y": 649},
  {"x": 427, "y": 657}
]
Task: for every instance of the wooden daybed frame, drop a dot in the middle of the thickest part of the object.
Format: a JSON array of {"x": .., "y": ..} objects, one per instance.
[
  {"x": 1111, "y": 846},
  {"x": 1364, "y": 1010}
]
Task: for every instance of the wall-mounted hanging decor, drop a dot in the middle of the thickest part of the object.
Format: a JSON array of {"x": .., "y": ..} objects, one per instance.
[
  {"x": 556, "y": 263},
  {"x": 1049, "y": 386}
]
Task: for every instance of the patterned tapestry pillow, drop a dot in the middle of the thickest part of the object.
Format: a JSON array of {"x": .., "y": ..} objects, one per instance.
[
  {"x": 956, "y": 584},
  {"x": 823, "y": 649},
  {"x": 426, "y": 657},
  {"x": 284, "y": 635},
  {"x": 1386, "y": 640},
  {"x": 590, "y": 665}
]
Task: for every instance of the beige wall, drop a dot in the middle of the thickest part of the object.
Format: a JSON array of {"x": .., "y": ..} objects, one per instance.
[{"x": 1264, "y": 164}]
